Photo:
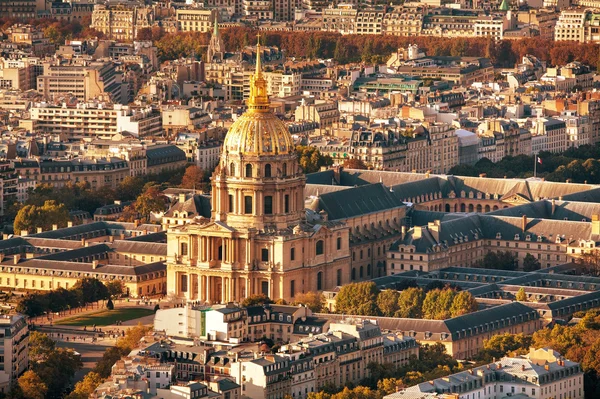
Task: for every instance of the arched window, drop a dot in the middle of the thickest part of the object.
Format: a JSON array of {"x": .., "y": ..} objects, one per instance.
[
  {"x": 248, "y": 170},
  {"x": 360, "y": 274},
  {"x": 447, "y": 207},
  {"x": 320, "y": 247},
  {"x": 319, "y": 281},
  {"x": 268, "y": 205},
  {"x": 353, "y": 273},
  {"x": 368, "y": 270},
  {"x": 284, "y": 169},
  {"x": 232, "y": 169},
  {"x": 339, "y": 277},
  {"x": 268, "y": 170}
]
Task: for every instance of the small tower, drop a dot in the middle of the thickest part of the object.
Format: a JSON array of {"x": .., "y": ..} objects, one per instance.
[{"x": 216, "y": 49}]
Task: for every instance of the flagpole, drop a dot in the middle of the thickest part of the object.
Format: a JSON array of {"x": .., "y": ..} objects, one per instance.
[{"x": 535, "y": 165}]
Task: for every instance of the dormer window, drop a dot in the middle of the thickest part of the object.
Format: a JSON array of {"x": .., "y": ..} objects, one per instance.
[
  {"x": 528, "y": 237},
  {"x": 539, "y": 239},
  {"x": 517, "y": 237},
  {"x": 498, "y": 236}
]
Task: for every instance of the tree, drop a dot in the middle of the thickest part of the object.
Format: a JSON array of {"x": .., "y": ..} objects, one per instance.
[
  {"x": 354, "y": 163},
  {"x": 133, "y": 336},
  {"x": 109, "y": 358},
  {"x": 84, "y": 388},
  {"x": 311, "y": 160},
  {"x": 387, "y": 302},
  {"x": 410, "y": 303},
  {"x": 32, "y": 386},
  {"x": 521, "y": 295},
  {"x": 502, "y": 260},
  {"x": 40, "y": 346},
  {"x": 591, "y": 261},
  {"x": 57, "y": 370},
  {"x": 256, "y": 299},
  {"x": 130, "y": 187},
  {"x": 30, "y": 217},
  {"x": 464, "y": 302},
  {"x": 91, "y": 290},
  {"x": 315, "y": 301},
  {"x": 503, "y": 344},
  {"x": 530, "y": 263},
  {"x": 358, "y": 299},
  {"x": 115, "y": 288},
  {"x": 151, "y": 200},
  {"x": 194, "y": 178}
]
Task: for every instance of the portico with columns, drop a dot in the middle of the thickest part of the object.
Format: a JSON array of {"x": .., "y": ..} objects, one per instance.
[{"x": 258, "y": 239}]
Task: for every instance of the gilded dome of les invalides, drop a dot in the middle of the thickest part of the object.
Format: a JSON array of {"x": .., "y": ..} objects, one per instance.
[{"x": 258, "y": 131}]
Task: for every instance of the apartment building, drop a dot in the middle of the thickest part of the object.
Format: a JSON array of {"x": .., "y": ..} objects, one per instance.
[
  {"x": 325, "y": 113},
  {"x": 542, "y": 373},
  {"x": 578, "y": 130},
  {"x": 196, "y": 19},
  {"x": 83, "y": 80},
  {"x": 403, "y": 21},
  {"x": 265, "y": 377},
  {"x": 555, "y": 132},
  {"x": 493, "y": 26},
  {"x": 8, "y": 186},
  {"x": 121, "y": 22},
  {"x": 261, "y": 10},
  {"x": 19, "y": 9},
  {"x": 95, "y": 120},
  {"x": 15, "y": 349},
  {"x": 340, "y": 19},
  {"x": 571, "y": 26},
  {"x": 284, "y": 10},
  {"x": 369, "y": 21}
]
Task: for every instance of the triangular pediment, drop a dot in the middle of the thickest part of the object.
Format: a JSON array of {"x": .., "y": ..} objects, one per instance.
[
  {"x": 516, "y": 199},
  {"x": 216, "y": 227}
]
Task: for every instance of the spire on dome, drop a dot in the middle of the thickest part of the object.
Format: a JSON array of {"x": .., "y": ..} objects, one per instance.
[
  {"x": 216, "y": 27},
  {"x": 258, "y": 100}
]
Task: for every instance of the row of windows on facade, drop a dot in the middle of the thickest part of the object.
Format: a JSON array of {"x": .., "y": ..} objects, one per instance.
[
  {"x": 267, "y": 172},
  {"x": 319, "y": 250}
]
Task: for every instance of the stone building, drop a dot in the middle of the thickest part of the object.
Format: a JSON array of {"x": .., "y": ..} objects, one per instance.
[{"x": 258, "y": 239}]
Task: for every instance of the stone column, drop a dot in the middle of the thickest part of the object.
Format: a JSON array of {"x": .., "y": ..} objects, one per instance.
[
  {"x": 232, "y": 294},
  {"x": 223, "y": 290},
  {"x": 208, "y": 294}
]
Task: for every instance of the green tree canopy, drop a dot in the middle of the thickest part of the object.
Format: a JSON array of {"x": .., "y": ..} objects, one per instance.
[
  {"x": 521, "y": 295},
  {"x": 311, "y": 160},
  {"x": 256, "y": 299},
  {"x": 464, "y": 302},
  {"x": 315, "y": 301},
  {"x": 387, "y": 302},
  {"x": 32, "y": 386},
  {"x": 358, "y": 299},
  {"x": 530, "y": 263},
  {"x": 30, "y": 217},
  {"x": 410, "y": 303}
]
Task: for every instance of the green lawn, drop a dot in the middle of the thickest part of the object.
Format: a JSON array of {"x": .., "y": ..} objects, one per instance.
[{"x": 105, "y": 317}]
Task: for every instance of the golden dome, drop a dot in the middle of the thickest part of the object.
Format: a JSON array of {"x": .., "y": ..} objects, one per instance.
[{"x": 258, "y": 131}]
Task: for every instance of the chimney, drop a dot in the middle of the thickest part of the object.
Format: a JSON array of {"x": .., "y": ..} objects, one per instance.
[
  {"x": 83, "y": 242},
  {"x": 39, "y": 230},
  {"x": 94, "y": 264},
  {"x": 136, "y": 222},
  {"x": 417, "y": 232},
  {"x": 553, "y": 206},
  {"x": 54, "y": 227},
  {"x": 595, "y": 224},
  {"x": 522, "y": 367},
  {"x": 547, "y": 367},
  {"x": 122, "y": 237},
  {"x": 111, "y": 239},
  {"x": 70, "y": 223},
  {"x": 1, "y": 256},
  {"x": 16, "y": 259},
  {"x": 24, "y": 233},
  {"x": 182, "y": 197},
  {"x": 524, "y": 223}
]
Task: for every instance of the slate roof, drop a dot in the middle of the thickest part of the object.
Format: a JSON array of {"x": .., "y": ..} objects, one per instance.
[
  {"x": 197, "y": 205},
  {"x": 150, "y": 248},
  {"x": 357, "y": 201}
]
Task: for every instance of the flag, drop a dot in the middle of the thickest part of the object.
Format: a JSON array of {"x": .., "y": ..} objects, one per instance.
[{"x": 539, "y": 160}]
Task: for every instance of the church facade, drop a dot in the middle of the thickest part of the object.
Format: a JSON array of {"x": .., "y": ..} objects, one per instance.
[{"x": 258, "y": 239}]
